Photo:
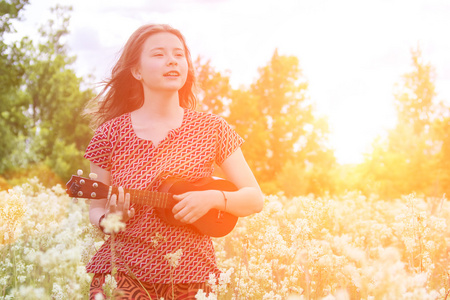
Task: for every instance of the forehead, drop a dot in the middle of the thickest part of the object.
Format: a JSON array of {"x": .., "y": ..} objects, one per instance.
[{"x": 162, "y": 40}]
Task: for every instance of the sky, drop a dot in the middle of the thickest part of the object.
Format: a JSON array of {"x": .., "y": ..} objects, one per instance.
[{"x": 351, "y": 52}]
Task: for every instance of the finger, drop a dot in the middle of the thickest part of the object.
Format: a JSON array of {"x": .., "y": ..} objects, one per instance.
[
  {"x": 131, "y": 213},
  {"x": 180, "y": 217},
  {"x": 126, "y": 205},
  {"x": 121, "y": 197},
  {"x": 192, "y": 220},
  {"x": 180, "y": 197},
  {"x": 184, "y": 215},
  {"x": 189, "y": 218},
  {"x": 178, "y": 207},
  {"x": 185, "y": 219},
  {"x": 113, "y": 204}
]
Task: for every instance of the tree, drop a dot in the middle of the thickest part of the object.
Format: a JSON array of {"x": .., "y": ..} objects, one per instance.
[
  {"x": 215, "y": 89},
  {"x": 276, "y": 119},
  {"x": 11, "y": 71},
  {"x": 10, "y": 10},
  {"x": 43, "y": 106},
  {"x": 441, "y": 133},
  {"x": 56, "y": 100},
  {"x": 414, "y": 99},
  {"x": 406, "y": 160}
]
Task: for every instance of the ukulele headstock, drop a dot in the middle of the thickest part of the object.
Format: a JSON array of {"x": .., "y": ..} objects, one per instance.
[{"x": 88, "y": 188}]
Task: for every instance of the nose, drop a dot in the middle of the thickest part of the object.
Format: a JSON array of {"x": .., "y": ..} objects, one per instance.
[{"x": 172, "y": 61}]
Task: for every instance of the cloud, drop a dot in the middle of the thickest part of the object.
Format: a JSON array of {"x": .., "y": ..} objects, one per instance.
[{"x": 85, "y": 39}]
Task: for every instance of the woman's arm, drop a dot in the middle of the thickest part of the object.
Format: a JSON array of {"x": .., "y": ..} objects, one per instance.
[
  {"x": 248, "y": 199},
  {"x": 118, "y": 203}
]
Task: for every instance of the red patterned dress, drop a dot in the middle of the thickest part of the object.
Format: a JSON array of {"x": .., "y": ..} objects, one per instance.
[{"x": 189, "y": 153}]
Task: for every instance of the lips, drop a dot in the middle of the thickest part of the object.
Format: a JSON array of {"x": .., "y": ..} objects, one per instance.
[{"x": 171, "y": 74}]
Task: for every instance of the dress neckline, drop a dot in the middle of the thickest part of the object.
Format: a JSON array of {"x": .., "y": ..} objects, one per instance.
[{"x": 170, "y": 134}]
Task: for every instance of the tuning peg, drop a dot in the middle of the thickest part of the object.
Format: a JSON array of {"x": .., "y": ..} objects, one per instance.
[
  {"x": 80, "y": 172},
  {"x": 75, "y": 200},
  {"x": 93, "y": 176}
]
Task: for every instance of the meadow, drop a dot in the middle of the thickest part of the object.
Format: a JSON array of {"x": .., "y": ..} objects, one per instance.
[{"x": 346, "y": 247}]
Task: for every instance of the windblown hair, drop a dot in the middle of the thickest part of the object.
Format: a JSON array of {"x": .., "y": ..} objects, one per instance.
[{"x": 122, "y": 92}]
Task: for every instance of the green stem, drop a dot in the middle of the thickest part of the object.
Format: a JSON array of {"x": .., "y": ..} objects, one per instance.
[{"x": 14, "y": 268}]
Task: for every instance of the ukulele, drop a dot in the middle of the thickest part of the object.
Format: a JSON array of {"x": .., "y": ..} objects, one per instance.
[{"x": 214, "y": 223}]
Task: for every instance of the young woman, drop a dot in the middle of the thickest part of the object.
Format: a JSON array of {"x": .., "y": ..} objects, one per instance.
[{"x": 147, "y": 132}]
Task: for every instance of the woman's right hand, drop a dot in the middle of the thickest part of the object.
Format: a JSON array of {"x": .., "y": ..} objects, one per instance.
[{"x": 120, "y": 204}]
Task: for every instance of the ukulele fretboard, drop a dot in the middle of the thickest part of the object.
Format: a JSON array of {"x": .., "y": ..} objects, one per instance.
[{"x": 156, "y": 199}]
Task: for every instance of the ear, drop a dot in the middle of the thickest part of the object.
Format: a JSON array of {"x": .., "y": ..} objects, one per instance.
[{"x": 136, "y": 74}]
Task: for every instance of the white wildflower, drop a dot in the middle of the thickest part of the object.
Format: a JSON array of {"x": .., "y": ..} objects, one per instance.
[
  {"x": 29, "y": 292},
  {"x": 110, "y": 282},
  {"x": 295, "y": 297},
  {"x": 271, "y": 296},
  {"x": 342, "y": 294},
  {"x": 4, "y": 280},
  {"x": 212, "y": 279},
  {"x": 57, "y": 292},
  {"x": 59, "y": 190},
  {"x": 109, "y": 286},
  {"x": 157, "y": 239},
  {"x": 99, "y": 296},
  {"x": 6, "y": 236},
  {"x": 112, "y": 223},
  {"x": 174, "y": 258},
  {"x": 225, "y": 277},
  {"x": 202, "y": 295}
]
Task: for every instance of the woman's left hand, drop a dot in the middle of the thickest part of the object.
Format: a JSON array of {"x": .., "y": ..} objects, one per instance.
[{"x": 192, "y": 206}]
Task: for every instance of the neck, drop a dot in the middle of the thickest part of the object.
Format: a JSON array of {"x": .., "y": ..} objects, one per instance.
[{"x": 160, "y": 105}]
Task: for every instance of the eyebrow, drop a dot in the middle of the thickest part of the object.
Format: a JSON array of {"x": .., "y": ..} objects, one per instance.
[{"x": 163, "y": 48}]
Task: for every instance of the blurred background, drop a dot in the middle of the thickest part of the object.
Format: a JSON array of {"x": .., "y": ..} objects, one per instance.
[{"x": 329, "y": 96}]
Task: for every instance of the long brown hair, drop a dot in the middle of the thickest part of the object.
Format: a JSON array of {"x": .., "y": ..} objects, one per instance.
[{"x": 122, "y": 93}]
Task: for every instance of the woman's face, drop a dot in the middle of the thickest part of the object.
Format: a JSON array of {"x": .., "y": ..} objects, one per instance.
[{"x": 163, "y": 65}]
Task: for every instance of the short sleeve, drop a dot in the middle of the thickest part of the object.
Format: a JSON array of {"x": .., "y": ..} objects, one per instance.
[
  {"x": 228, "y": 141},
  {"x": 99, "y": 148}
]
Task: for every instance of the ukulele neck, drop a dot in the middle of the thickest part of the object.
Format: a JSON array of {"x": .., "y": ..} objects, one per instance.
[{"x": 155, "y": 199}]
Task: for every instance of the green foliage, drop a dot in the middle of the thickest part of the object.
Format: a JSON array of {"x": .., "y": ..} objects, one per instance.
[
  {"x": 19, "y": 176},
  {"x": 285, "y": 144},
  {"x": 41, "y": 110},
  {"x": 66, "y": 159},
  {"x": 12, "y": 68},
  {"x": 214, "y": 88},
  {"x": 247, "y": 119},
  {"x": 284, "y": 111},
  {"x": 441, "y": 132},
  {"x": 414, "y": 99},
  {"x": 54, "y": 91},
  {"x": 4, "y": 184},
  {"x": 9, "y": 10},
  {"x": 407, "y": 159},
  {"x": 276, "y": 119}
]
